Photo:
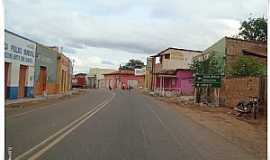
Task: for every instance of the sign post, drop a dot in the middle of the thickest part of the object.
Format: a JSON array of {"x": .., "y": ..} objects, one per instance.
[{"x": 208, "y": 80}]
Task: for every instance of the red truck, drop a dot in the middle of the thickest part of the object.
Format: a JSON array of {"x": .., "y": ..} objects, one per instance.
[{"x": 79, "y": 80}]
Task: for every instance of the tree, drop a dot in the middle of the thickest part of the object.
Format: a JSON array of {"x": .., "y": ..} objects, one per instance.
[
  {"x": 247, "y": 66},
  {"x": 254, "y": 29},
  {"x": 132, "y": 64},
  {"x": 206, "y": 66}
]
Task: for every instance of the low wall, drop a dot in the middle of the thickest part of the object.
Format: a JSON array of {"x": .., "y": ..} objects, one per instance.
[{"x": 237, "y": 89}]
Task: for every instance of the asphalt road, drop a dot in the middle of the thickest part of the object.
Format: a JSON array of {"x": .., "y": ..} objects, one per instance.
[{"x": 116, "y": 125}]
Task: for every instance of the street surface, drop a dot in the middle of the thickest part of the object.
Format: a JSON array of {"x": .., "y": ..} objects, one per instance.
[{"x": 113, "y": 125}]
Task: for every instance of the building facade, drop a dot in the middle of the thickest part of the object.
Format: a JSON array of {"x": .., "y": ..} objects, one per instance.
[
  {"x": 96, "y": 77},
  {"x": 64, "y": 73},
  {"x": 169, "y": 71},
  {"x": 226, "y": 51},
  {"x": 45, "y": 71},
  {"x": 123, "y": 79},
  {"x": 148, "y": 73},
  {"x": 19, "y": 66}
]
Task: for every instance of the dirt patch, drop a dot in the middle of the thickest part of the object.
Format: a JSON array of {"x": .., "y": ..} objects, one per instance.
[{"x": 251, "y": 134}]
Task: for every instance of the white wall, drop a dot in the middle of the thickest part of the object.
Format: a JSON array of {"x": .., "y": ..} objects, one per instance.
[
  {"x": 178, "y": 59},
  {"x": 19, "y": 51}
]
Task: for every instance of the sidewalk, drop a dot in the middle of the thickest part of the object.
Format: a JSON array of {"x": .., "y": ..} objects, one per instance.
[{"x": 40, "y": 98}]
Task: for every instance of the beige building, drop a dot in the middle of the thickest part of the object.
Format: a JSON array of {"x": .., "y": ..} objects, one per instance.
[
  {"x": 148, "y": 75},
  {"x": 167, "y": 61},
  {"x": 175, "y": 58},
  {"x": 96, "y": 77}
]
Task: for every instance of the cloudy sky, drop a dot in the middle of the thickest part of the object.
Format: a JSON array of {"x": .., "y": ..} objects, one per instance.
[{"x": 107, "y": 33}]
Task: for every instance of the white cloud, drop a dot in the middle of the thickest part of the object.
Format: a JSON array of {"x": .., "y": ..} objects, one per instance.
[{"x": 98, "y": 31}]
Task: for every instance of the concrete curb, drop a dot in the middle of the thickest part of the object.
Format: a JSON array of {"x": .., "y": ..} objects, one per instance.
[{"x": 40, "y": 98}]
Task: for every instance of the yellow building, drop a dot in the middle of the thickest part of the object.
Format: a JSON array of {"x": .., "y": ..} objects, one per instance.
[{"x": 64, "y": 73}]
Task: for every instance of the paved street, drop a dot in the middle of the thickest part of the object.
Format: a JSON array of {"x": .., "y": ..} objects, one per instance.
[{"x": 116, "y": 125}]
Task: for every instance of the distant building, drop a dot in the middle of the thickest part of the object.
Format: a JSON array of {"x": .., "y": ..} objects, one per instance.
[
  {"x": 123, "y": 79},
  {"x": 96, "y": 77},
  {"x": 20, "y": 55},
  {"x": 168, "y": 71}
]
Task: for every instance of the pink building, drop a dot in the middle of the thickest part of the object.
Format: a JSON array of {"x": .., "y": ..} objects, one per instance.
[
  {"x": 170, "y": 71},
  {"x": 177, "y": 81},
  {"x": 123, "y": 79}
]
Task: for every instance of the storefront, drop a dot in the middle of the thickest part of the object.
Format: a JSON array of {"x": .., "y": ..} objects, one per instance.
[{"x": 19, "y": 66}]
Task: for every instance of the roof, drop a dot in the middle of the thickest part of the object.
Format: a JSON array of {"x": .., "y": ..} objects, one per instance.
[
  {"x": 121, "y": 72},
  {"x": 252, "y": 41},
  {"x": 256, "y": 54},
  {"x": 15, "y": 34},
  {"x": 179, "y": 49}
]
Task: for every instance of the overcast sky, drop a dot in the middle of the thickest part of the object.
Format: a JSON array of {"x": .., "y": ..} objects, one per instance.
[{"x": 107, "y": 33}]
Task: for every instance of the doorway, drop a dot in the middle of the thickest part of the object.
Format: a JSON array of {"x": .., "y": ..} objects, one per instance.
[
  {"x": 7, "y": 65},
  {"x": 42, "y": 79},
  {"x": 22, "y": 81}
]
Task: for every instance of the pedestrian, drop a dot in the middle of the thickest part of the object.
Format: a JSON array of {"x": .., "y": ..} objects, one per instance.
[{"x": 110, "y": 88}]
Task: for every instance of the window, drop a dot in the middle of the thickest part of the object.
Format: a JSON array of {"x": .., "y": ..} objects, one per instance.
[{"x": 167, "y": 56}]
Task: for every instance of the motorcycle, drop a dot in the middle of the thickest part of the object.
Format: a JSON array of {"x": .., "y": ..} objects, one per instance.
[{"x": 247, "y": 108}]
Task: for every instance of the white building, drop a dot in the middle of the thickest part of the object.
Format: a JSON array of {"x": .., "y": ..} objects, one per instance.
[
  {"x": 96, "y": 77},
  {"x": 19, "y": 65}
]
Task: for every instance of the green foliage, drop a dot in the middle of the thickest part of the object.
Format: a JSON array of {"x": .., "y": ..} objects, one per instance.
[
  {"x": 247, "y": 66},
  {"x": 132, "y": 64},
  {"x": 206, "y": 66},
  {"x": 254, "y": 29}
]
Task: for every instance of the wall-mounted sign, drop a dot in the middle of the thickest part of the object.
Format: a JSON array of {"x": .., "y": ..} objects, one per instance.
[
  {"x": 139, "y": 72},
  {"x": 20, "y": 50}
]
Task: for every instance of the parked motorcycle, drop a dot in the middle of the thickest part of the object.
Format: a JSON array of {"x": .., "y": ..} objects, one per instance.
[{"x": 250, "y": 107}]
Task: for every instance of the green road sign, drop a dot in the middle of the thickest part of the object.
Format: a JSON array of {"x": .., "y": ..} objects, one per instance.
[{"x": 207, "y": 80}]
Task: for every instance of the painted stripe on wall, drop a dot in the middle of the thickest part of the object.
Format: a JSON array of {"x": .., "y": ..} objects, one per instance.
[{"x": 12, "y": 92}]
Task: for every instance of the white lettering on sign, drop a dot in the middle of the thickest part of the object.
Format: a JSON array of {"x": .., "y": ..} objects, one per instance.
[{"x": 19, "y": 49}]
